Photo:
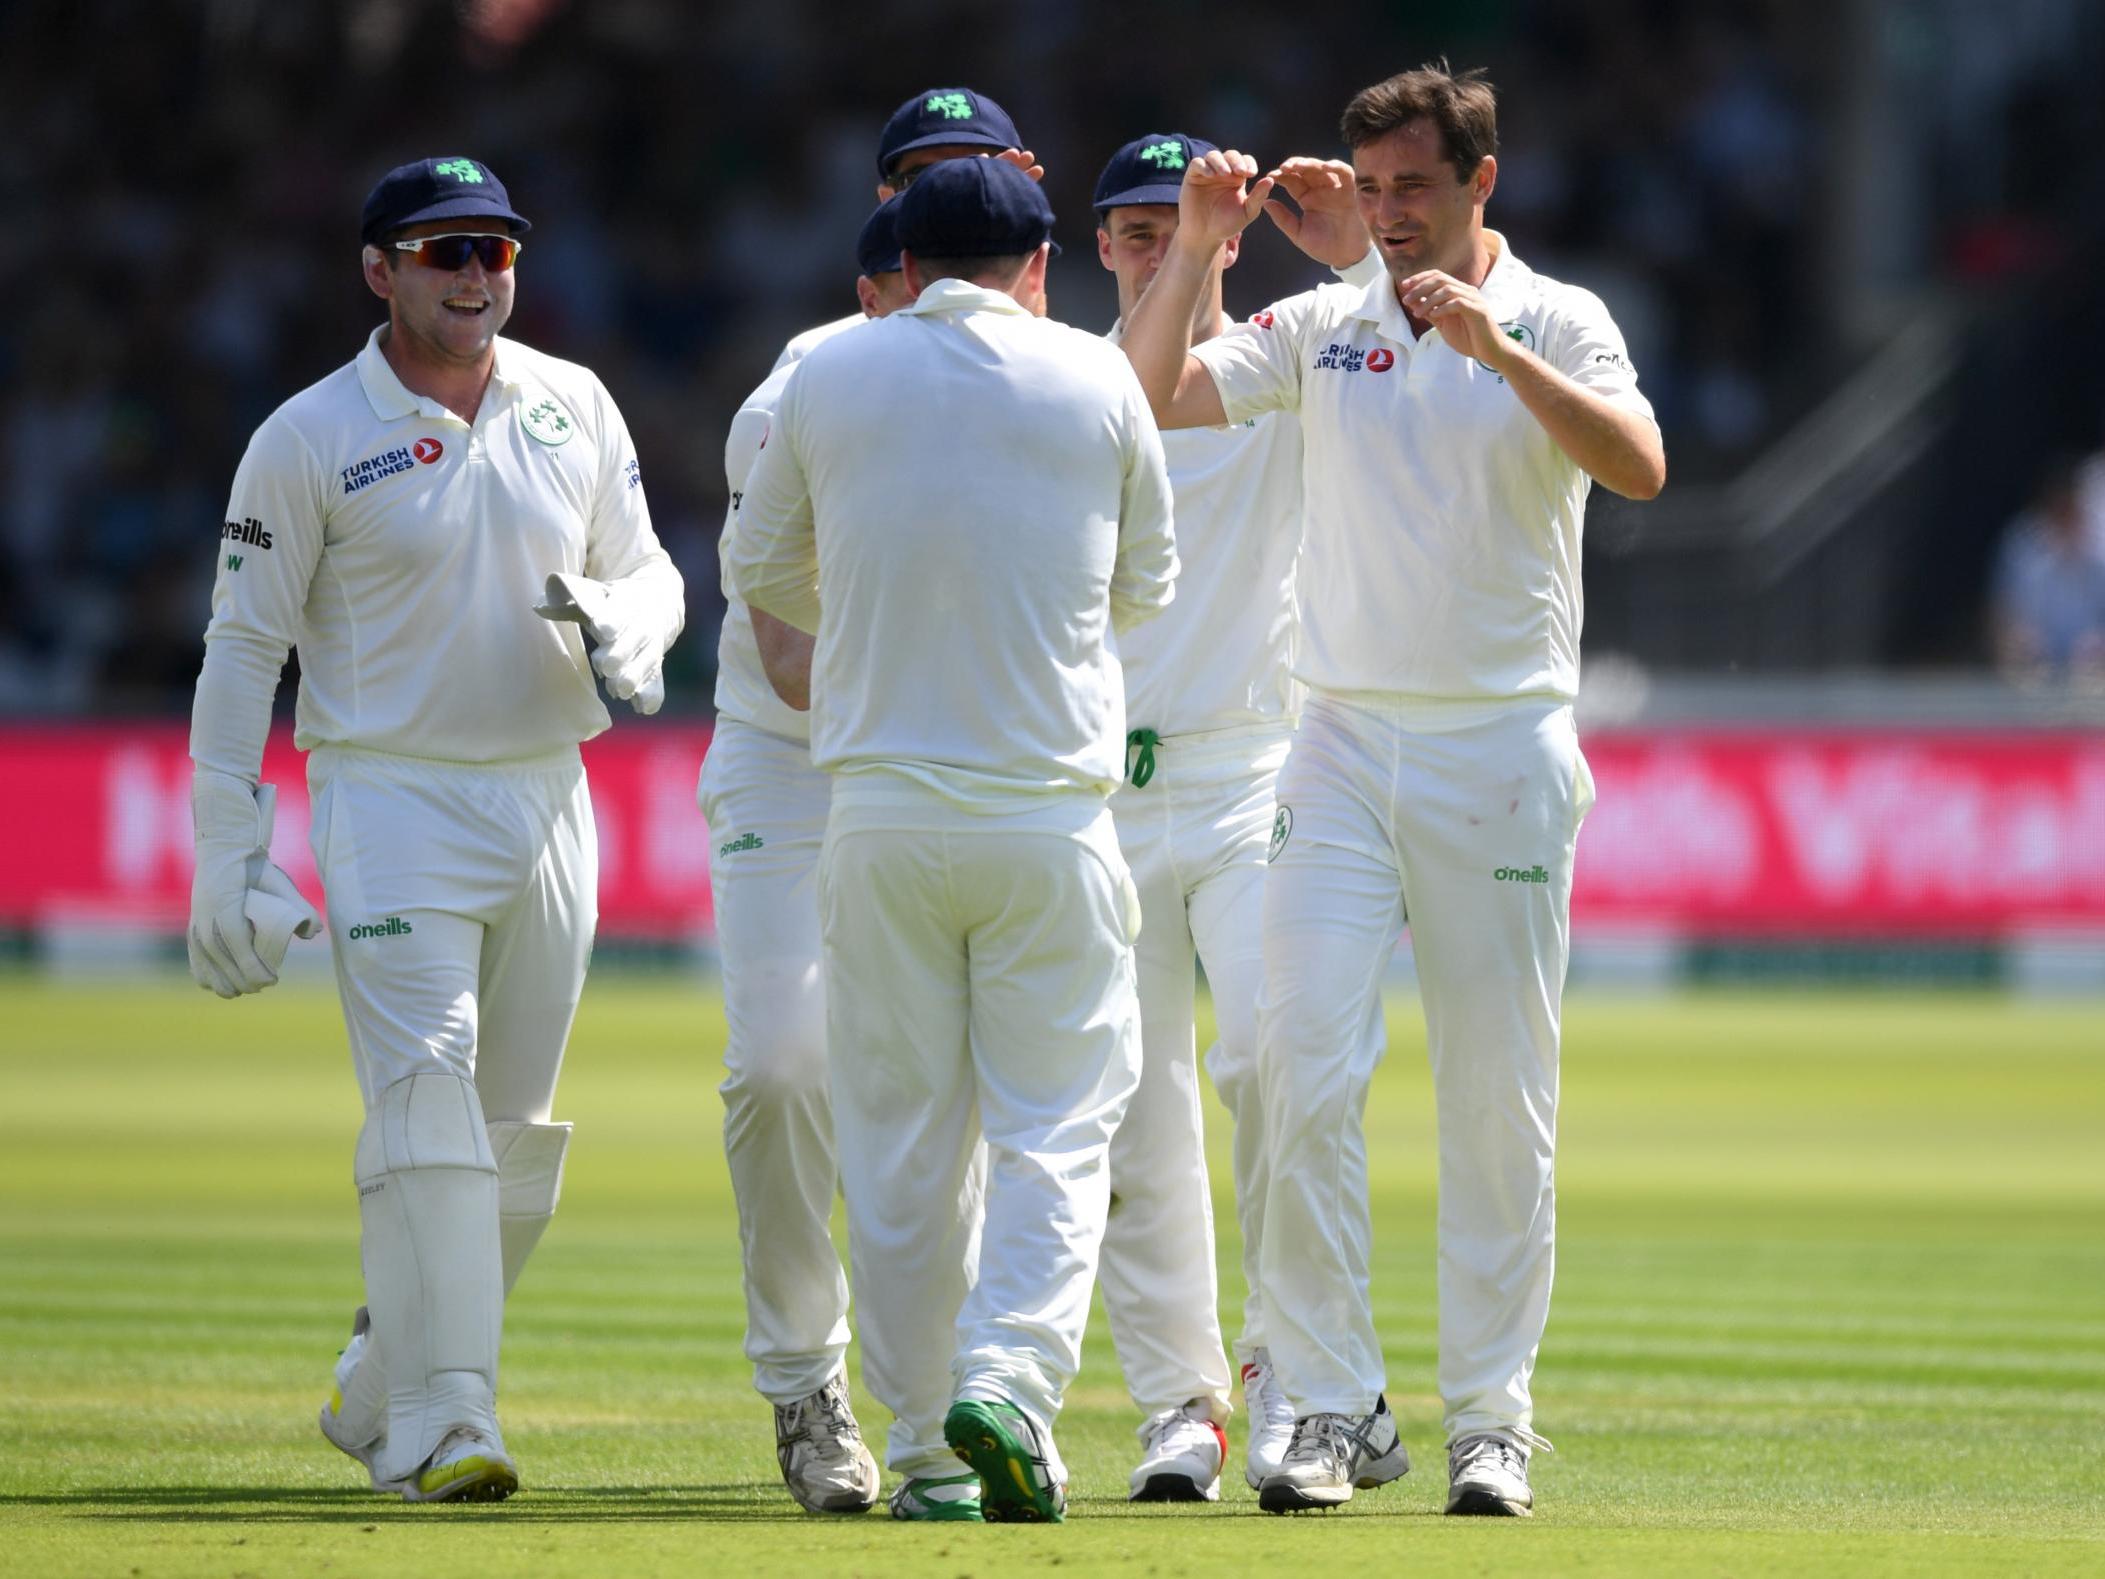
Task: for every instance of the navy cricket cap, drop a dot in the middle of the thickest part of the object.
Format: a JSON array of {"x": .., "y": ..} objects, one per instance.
[
  {"x": 974, "y": 208},
  {"x": 436, "y": 189},
  {"x": 1148, "y": 169},
  {"x": 943, "y": 116},
  {"x": 877, "y": 248}
]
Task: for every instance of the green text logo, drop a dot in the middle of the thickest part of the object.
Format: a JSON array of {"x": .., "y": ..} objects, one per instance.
[
  {"x": 1168, "y": 155},
  {"x": 460, "y": 170},
  {"x": 951, "y": 106},
  {"x": 392, "y": 927},
  {"x": 233, "y": 561},
  {"x": 1521, "y": 874},
  {"x": 745, "y": 841}
]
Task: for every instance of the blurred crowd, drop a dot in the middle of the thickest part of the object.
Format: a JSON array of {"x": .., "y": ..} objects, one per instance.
[
  {"x": 184, "y": 181},
  {"x": 2048, "y": 613}
]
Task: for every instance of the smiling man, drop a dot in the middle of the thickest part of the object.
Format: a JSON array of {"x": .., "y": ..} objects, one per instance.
[
  {"x": 1455, "y": 414},
  {"x": 437, "y": 525}
]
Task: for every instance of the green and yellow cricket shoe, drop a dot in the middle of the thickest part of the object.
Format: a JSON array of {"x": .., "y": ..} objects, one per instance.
[
  {"x": 1011, "y": 1457},
  {"x": 938, "y": 1499},
  {"x": 467, "y": 1466}
]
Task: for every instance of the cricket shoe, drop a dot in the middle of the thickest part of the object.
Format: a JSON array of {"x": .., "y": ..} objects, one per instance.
[
  {"x": 1181, "y": 1455},
  {"x": 1013, "y": 1459},
  {"x": 825, "y": 1464},
  {"x": 355, "y": 1417},
  {"x": 938, "y": 1499},
  {"x": 468, "y": 1465},
  {"x": 1330, "y": 1456},
  {"x": 1271, "y": 1417},
  {"x": 1488, "y": 1475}
]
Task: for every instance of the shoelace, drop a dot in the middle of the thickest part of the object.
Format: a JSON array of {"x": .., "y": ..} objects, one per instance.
[
  {"x": 830, "y": 1403},
  {"x": 1471, "y": 1452},
  {"x": 1142, "y": 767},
  {"x": 1331, "y": 1435}
]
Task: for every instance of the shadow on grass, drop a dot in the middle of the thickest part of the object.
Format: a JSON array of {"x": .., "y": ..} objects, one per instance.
[{"x": 736, "y": 1502}]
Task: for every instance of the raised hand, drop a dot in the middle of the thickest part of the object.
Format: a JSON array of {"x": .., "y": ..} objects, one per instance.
[
  {"x": 1461, "y": 314},
  {"x": 1024, "y": 160},
  {"x": 1328, "y": 227},
  {"x": 1215, "y": 204}
]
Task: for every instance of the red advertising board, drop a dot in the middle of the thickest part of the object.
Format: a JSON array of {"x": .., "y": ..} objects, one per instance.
[{"x": 1710, "y": 833}]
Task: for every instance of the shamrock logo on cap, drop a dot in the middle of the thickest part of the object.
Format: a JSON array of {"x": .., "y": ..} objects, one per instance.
[
  {"x": 952, "y": 106},
  {"x": 460, "y": 170},
  {"x": 1168, "y": 154}
]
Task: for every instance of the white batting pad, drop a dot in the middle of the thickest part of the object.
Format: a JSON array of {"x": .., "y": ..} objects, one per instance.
[{"x": 428, "y": 1200}]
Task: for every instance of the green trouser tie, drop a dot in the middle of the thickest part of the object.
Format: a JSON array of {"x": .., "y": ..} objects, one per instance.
[{"x": 1142, "y": 768}]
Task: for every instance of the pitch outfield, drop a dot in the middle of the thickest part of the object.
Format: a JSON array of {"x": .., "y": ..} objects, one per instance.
[{"x": 1831, "y": 1297}]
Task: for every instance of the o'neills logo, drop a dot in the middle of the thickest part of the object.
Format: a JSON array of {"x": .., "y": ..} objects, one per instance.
[
  {"x": 248, "y": 531},
  {"x": 392, "y": 927},
  {"x": 1521, "y": 874}
]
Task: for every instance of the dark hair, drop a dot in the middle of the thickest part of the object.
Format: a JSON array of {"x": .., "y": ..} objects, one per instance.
[
  {"x": 977, "y": 271},
  {"x": 1463, "y": 108}
]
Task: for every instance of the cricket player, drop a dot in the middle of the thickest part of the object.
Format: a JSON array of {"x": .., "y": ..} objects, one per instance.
[
  {"x": 1454, "y": 416},
  {"x": 766, "y": 808},
  {"x": 437, "y": 525},
  {"x": 1211, "y": 703},
  {"x": 982, "y": 492}
]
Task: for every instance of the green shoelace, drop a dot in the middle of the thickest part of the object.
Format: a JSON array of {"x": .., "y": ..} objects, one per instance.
[{"x": 1141, "y": 768}]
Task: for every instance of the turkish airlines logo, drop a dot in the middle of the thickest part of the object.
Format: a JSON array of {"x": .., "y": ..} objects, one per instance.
[
  {"x": 1380, "y": 360},
  {"x": 427, "y": 450},
  {"x": 1263, "y": 320}
]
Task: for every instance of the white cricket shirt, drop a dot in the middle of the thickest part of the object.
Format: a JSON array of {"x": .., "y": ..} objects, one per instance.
[
  {"x": 403, "y": 551},
  {"x": 1441, "y": 523},
  {"x": 1221, "y": 656},
  {"x": 742, "y": 689},
  {"x": 973, "y": 495}
]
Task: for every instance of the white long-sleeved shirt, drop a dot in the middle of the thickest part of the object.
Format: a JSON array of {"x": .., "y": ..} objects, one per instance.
[
  {"x": 961, "y": 500},
  {"x": 1440, "y": 549},
  {"x": 403, "y": 550},
  {"x": 742, "y": 688},
  {"x": 1221, "y": 656}
]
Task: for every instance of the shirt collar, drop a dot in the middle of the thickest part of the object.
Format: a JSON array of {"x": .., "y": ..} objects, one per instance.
[
  {"x": 391, "y": 398},
  {"x": 1504, "y": 288},
  {"x": 958, "y": 296}
]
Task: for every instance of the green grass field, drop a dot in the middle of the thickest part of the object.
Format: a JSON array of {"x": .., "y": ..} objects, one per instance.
[{"x": 1830, "y": 1298}]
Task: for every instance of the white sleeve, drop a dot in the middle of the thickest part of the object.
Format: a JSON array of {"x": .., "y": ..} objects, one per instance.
[
  {"x": 741, "y": 448},
  {"x": 771, "y": 549},
  {"x": 621, "y": 549},
  {"x": 1256, "y": 365},
  {"x": 1587, "y": 348},
  {"x": 1363, "y": 273},
  {"x": 267, "y": 553},
  {"x": 1144, "y": 576}
]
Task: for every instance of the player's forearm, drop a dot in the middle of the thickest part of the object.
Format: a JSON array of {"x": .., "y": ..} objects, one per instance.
[
  {"x": 1618, "y": 449},
  {"x": 785, "y": 657},
  {"x": 230, "y": 715},
  {"x": 1157, "y": 338}
]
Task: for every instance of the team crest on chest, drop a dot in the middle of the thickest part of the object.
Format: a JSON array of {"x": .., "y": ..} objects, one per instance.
[
  {"x": 546, "y": 420},
  {"x": 1282, "y": 830}
]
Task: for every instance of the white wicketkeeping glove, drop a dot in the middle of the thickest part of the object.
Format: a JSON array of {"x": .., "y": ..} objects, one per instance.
[
  {"x": 629, "y": 648},
  {"x": 244, "y": 912}
]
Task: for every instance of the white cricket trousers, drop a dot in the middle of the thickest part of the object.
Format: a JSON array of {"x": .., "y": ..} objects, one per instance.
[
  {"x": 979, "y": 973},
  {"x": 462, "y": 902},
  {"x": 1195, "y": 837},
  {"x": 766, "y": 809},
  {"x": 1461, "y": 819}
]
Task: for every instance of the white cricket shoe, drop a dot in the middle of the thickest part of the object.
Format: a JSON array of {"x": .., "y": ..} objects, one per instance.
[
  {"x": 1330, "y": 1455},
  {"x": 354, "y": 1418},
  {"x": 1181, "y": 1451},
  {"x": 824, "y": 1462},
  {"x": 468, "y": 1465},
  {"x": 1271, "y": 1418},
  {"x": 1489, "y": 1475}
]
